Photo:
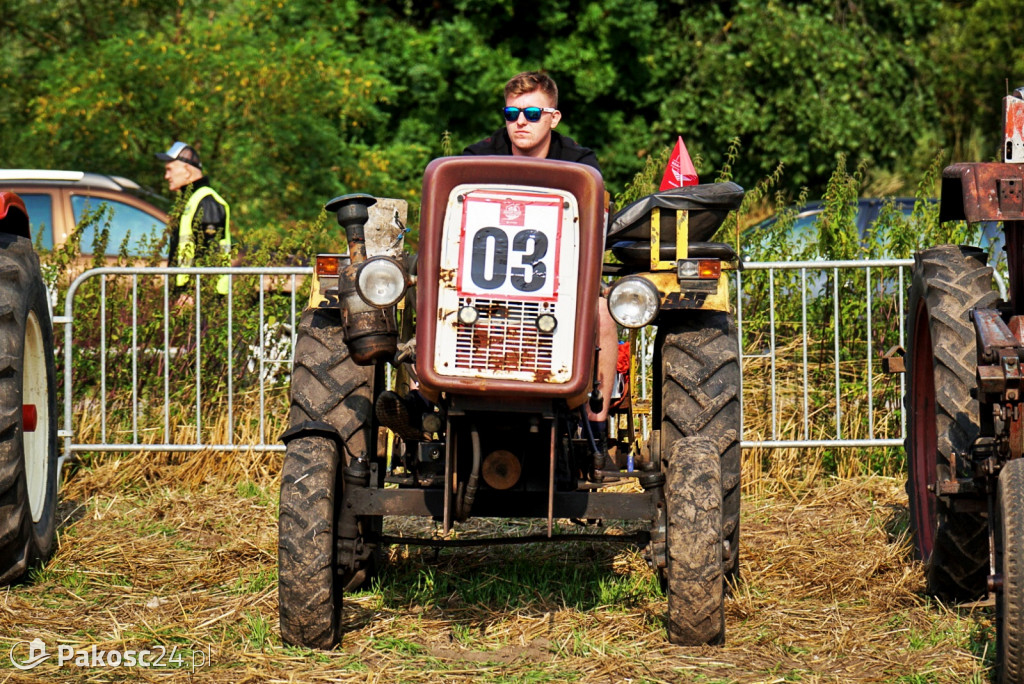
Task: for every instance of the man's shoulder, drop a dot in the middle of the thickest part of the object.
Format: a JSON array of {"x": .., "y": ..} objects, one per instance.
[
  {"x": 213, "y": 208},
  {"x": 566, "y": 149},
  {"x": 208, "y": 194}
]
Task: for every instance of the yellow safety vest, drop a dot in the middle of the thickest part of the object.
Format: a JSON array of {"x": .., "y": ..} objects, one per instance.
[{"x": 186, "y": 238}]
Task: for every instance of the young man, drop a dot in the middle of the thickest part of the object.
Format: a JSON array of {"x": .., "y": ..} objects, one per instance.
[
  {"x": 529, "y": 132},
  {"x": 205, "y": 222},
  {"x": 531, "y": 115}
]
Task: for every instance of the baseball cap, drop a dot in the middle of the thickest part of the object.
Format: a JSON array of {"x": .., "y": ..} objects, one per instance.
[{"x": 182, "y": 152}]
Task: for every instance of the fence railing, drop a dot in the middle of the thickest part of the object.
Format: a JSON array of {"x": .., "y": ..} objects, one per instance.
[
  {"x": 151, "y": 345},
  {"x": 838, "y": 319},
  {"x": 152, "y": 366},
  {"x": 848, "y": 345}
]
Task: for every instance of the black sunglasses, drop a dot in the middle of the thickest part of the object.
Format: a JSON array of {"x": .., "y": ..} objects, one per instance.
[{"x": 531, "y": 113}]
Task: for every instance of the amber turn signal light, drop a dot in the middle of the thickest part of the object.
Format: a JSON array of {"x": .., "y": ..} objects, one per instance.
[{"x": 328, "y": 264}]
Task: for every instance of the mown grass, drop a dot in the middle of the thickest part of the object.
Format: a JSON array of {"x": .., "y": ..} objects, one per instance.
[{"x": 829, "y": 592}]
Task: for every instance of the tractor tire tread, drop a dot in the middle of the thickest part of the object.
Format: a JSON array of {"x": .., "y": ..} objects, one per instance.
[
  {"x": 308, "y": 595},
  {"x": 695, "y": 579},
  {"x": 950, "y": 281},
  {"x": 328, "y": 386},
  {"x": 1010, "y": 601},
  {"x": 23, "y": 542},
  {"x": 700, "y": 397}
]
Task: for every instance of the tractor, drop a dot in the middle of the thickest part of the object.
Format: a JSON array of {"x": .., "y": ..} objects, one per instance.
[
  {"x": 489, "y": 335},
  {"x": 965, "y": 423}
]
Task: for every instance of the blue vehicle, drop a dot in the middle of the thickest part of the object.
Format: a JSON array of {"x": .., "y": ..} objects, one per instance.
[{"x": 761, "y": 242}]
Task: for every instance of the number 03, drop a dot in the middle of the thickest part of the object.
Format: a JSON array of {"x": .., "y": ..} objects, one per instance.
[{"x": 491, "y": 254}]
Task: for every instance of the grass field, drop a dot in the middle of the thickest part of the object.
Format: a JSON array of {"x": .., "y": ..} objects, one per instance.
[{"x": 164, "y": 551}]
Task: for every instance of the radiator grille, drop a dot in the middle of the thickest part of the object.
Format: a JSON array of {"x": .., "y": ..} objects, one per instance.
[{"x": 504, "y": 338}]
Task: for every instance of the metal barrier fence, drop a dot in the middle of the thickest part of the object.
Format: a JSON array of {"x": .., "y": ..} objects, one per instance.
[
  {"x": 128, "y": 335},
  {"x": 827, "y": 278},
  {"x": 812, "y": 331},
  {"x": 860, "y": 307}
]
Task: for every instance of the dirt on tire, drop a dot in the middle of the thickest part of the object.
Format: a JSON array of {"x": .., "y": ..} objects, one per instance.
[
  {"x": 329, "y": 387},
  {"x": 948, "y": 281},
  {"x": 694, "y": 578},
  {"x": 28, "y": 462},
  {"x": 310, "y": 593},
  {"x": 1010, "y": 564},
  {"x": 698, "y": 395}
]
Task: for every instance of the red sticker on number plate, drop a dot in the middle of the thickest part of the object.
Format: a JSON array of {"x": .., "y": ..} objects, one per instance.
[{"x": 512, "y": 213}]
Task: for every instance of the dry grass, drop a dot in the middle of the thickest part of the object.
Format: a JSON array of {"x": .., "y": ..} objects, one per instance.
[{"x": 165, "y": 550}]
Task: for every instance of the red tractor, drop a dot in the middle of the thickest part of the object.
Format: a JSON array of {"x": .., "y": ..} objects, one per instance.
[
  {"x": 965, "y": 431},
  {"x": 492, "y": 328}
]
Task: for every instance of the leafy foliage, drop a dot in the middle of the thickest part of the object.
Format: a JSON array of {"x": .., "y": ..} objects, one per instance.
[{"x": 293, "y": 103}]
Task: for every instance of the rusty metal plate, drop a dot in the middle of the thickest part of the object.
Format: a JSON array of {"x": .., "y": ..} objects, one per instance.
[
  {"x": 385, "y": 229},
  {"x": 992, "y": 334},
  {"x": 1013, "y": 135},
  {"x": 982, "y": 191},
  {"x": 586, "y": 186}
]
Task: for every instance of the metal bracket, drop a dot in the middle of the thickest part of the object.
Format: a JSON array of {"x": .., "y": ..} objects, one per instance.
[
  {"x": 682, "y": 239},
  {"x": 894, "y": 361},
  {"x": 1011, "y": 196}
]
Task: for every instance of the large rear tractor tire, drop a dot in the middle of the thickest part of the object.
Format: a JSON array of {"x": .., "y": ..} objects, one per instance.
[
  {"x": 1009, "y": 529},
  {"x": 327, "y": 387},
  {"x": 942, "y": 417},
  {"x": 698, "y": 395},
  {"x": 28, "y": 413},
  {"x": 694, "y": 577}
]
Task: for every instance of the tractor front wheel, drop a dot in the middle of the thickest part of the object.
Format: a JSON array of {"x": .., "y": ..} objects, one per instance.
[
  {"x": 694, "y": 578},
  {"x": 310, "y": 590},
  {"x": 697, "y": 394},
  {"x": 327, "y": 387}
]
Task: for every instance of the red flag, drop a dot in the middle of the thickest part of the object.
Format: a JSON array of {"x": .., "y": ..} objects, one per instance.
[{"x": 680, "y": 171}]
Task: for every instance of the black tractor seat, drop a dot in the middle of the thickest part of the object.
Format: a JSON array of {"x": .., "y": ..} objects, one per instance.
[
  {"x": 707, "y": 207},
  {"x": 638, "y": 252}
]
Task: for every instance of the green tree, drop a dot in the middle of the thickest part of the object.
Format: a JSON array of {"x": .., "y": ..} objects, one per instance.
[
  {"x": 293, "y": 103},
  {"x": 978, "y": 57}
]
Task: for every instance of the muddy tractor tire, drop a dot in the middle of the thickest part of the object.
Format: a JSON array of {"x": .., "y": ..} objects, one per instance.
[
  {"x": 694, "y": 575},
  {"x": 698, "y": 395},
  {"x": 28, "y": 413},
  {"x": 942, "y": 417},
  {"x": 327, "y": 387},
  {"x": 1009, "y": 530},
  {"x": 310, "y": 590}
]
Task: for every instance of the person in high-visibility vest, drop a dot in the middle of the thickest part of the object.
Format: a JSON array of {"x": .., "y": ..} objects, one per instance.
[{"x": 205, "y": 222}]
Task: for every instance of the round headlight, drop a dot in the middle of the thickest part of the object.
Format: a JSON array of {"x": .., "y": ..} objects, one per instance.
[
  {"x": 633, "y": 302},
  {"x": 380, "y": 282},
  {"x": 468, "y": 315},
  {"x": 547, "y": 323}
]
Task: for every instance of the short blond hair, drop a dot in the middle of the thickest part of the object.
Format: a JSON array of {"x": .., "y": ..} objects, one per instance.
[{"x": 528, "y": 82}]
